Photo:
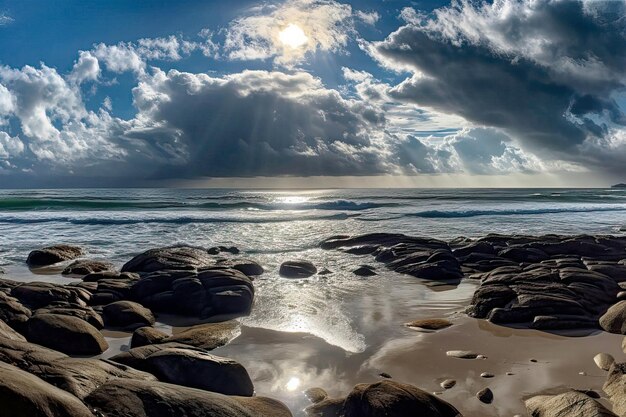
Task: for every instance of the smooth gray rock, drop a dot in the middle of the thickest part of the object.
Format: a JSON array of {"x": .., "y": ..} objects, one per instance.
[
  {"x": 297, "y": 269},
  {"x": 66, "y": 334},
  {"x": 570, "y": 403},
  {"x": 127, "y": 314},
  {"x": 52, "y": 255}
]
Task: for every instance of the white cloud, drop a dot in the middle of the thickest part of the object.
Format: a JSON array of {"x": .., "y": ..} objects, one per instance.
[
  {"x": 5, "y": 19},
  {"x": 327, "y": 25},
  {"x": 368, "y": 17},
  {"x": 87, "y": 68},
  {"x": 10, "y": 146}
]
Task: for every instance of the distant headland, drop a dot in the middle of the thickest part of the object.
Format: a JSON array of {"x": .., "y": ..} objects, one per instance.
[{"x": 620, "y": 185}]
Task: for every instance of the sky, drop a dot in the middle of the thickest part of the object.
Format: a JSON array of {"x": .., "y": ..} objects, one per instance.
[{"x": 315, "y": 93}]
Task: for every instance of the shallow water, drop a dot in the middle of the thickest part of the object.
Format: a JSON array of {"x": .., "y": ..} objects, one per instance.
[{"x": 337, "y": 330}]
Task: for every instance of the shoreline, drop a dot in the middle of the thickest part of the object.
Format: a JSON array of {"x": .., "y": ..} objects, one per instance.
[{"x": 409, "y": 356}]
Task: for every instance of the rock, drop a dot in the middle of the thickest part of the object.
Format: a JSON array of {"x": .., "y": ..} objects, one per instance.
[
  {"x": 485, "y": 395},
  {"x": 315, "y": 395},
  {"x": 131, "y": 398},
  {"x": 207, "y": 336},
  {"x": 246, "y": 266},
  {"x": 297, "y": 269},
  {"x": 430, "y": 324},
  {"x": 614, "y": 320},
  {"x": 216, "y": 250},
  {"x": 487, "y": 375},
  {"x": 41, "y": 294},
  {"x": 66, "y": 334},
  {"x": 615, "y": 387},
  {"x": 448, "y": 383},
  {"x": 169, "y": 258},
  {"x": 603, "y": 361},
  {"x": 84, "y": 267},
  {"x": 384, "y": 375},
  {"x": 364, "y": 271},
  {"x": 328, "y": 407},
  {"x": 144, "y": 336},
  {"x": 13, "y": 312},
  {"x": 127, "y": 314},
  {"x": 462, "y": 354},
  {"x": 393, "y": 399},
  {"x": 75, "y": 310},
  {"x": 110, "y": 275},
  {"x": 52, "y": 255},
  {"x": 80, "y": 376},
  {"x": 204, "y": 293},
  {"x": 25, "y": 395},
  {"x": 190, "y": 367},
  {"x": 570, "y": 403},
  {"x": 8, "y": 332}
]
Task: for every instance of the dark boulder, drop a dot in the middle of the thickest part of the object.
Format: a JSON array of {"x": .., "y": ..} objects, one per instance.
[
  {"x": 41, "y": 294},
  {"x": 190, "y": 367},
  {"x": 207, "y": 336},
  {"x": 9, "y": 333},
  {"x": 13, "y": 312},
  {"x": 66, "y": 334},
  {"x": 110, "y": 275},
  {"x": 364, "y": 271},
  {"x": 297, "y": 269},
  {"x": 129, "y": 398},
  {"x": 52, "y": 255},
  {"x": 393, "y": 399},
  {"x": 127, "y": 314},
  {"x": 84, "y": 267},
  {"x": 75, "y": 310},
  {"x": 170, "y": 258},
  {"x": 25, "y": 395},
  {"x": 144, "y": 336}
]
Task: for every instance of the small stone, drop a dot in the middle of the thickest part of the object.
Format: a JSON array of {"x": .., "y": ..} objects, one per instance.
[
  {"x": 533, "y": 360},
  {"x": 481, "y": 357},
  {"x": 430, "y": 324},
  {"x": 486, "y": 375},
  {"x": 485, "y": 395},
  {"x": 582, "y": 373},
  {"x": 364, "y": 271},
  {"x": 448, "y": 383},
  {"x": 510, "y": 373},
  {"x": 604, "y": 361},
  {"x": 462, "y": 354},
  {"x": 385, "y": 375}
]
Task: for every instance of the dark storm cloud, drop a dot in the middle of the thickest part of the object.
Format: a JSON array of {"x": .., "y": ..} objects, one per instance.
[
  {"x": 546, "y": 72},
  {"x": 260, "y": 123}
]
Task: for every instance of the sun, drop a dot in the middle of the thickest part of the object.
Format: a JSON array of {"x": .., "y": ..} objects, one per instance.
[{"x": 292, "y": 36}]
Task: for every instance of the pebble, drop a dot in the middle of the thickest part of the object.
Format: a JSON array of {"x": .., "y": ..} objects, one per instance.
[
  {"x": 485, "y": 395},
  {"x": 430, "y": 324},
  {"x": 462, "y": 354},
  {"x": 583, "y": 373},
  {"x": 604, "y": 361},
  {"x": 486, "y": 375},
  {"x": 384, "y": 375},
  {"x": 533, "y": 360},
  {"x": 448, "y": 383},
  {"x": 510, "y": 373}
]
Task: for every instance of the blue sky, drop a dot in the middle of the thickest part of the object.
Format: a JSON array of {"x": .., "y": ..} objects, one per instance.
[{"x": 167, "y": 92}]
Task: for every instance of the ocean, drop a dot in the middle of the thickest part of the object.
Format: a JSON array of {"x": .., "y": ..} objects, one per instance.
[{"x": 335, "y": 330}]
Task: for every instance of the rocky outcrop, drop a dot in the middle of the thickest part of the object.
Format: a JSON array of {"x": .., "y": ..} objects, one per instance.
[
  {"x": 427, "y": 259},
  {"x": 25, "y": 395},
  {"x": 66, "y": 334},
  {"x": 85, "y": 313},
  {"x": 570, "y": 403},
  {"x": 52, "y": 255},
  {"x": 128, "y": 398},
  {"x": 127, "y": 314},
  {"x": 297, "y": 269},
  {"x": 203, "y": 293},
  {"x": 41, "y": 294},
  {"x": 191, "y": 367}
]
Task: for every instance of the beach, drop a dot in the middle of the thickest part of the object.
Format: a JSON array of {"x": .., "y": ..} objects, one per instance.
[{"x": 335, "y": 328}]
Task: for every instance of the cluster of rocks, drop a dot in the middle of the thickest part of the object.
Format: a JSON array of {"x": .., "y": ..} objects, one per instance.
[{"x": 545, "y": 282}]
